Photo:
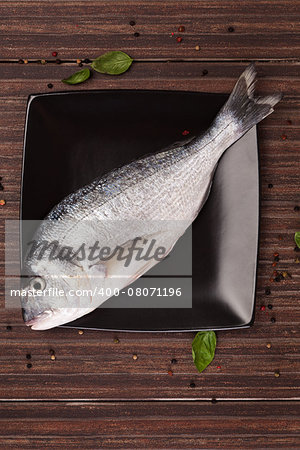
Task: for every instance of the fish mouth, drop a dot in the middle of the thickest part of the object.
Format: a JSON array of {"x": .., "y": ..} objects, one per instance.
[{"x": 41, "y": 321}]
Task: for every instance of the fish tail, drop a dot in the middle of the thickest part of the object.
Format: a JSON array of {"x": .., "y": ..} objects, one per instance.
[{"x": 246, "y": 109}]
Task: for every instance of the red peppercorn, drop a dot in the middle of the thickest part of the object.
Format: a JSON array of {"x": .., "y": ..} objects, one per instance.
[
  {"x": 54, "y": 54},
  {"x": 2, "y": 202},
  {"x": 179, "y": 39},
  {"x": 274, "y": 264},
  {"x": 218, "y": 367},
  {"x": 283, "y": 137},
  {"x": 263, "y": 308},
  {"x": 185, "y": 133},
  {"x": 170, "y": 373},
  {"x": 289, "y": 122},
  {"x": 181, "y": 29},
  {"x": 276, "y": 254},
  {"x": 172, "y": 34}
]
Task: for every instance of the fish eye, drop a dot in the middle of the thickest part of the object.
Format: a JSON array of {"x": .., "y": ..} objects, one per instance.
[{"x": 38, "y": 284}]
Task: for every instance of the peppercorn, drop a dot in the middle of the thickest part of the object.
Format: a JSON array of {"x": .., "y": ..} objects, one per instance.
[
  {"x": 58, "y": 61},
  {"x": 263, "y": 308},
  {"x": 25, "y": 61},
  {"x": 277, "y": 279},
  {"x": 132, "y": 23},
  {"x": 296, "y": 249},
  {"x": 269, "y": 345},
  {"x": 87, "y": 61},
  {"x": 136, "y": 34},
  {"x": 28, "y": 356},
  {"x": 276, "y": 258},
  {"x": 289, "y": 122},
  {"x": 274, "y": 264},
  {"x": 50, "y": 85},
  {"x": 283, "y": 137},
  {"x": 53, "y": 357},
  {"x": 270, "y": 306},
  {"x": 173, "y": 361},
  {"x": 78, "y": 61},
  {"x": 29, "y": 365},
  {"x": 280, "y": 237},
  {"x": 80, "y": 64},
  {"x": 297, "y": 260},
  {"x": 192, "y": 384},
  {"x": 54, "y": 54},
  {"x": 270, "y": 185},
  {"x": 230, "y": 29},
  {"x": 273, "y": 320},
  {"x": 185, "y": 133},
  {"x": 20, "y": 61},
  {"x": 135, "y": 357},
  {"x": 51, "y": 351},
  {"x": 8, "y": 327},
  {"x": 2, "y": 202},
  {"x": 218, "y": 367},
  {"x": 277, "y": 374},
  {"x": 297, "y": 208},
  {"x": 43, "y": 61},
  {"x": 179, "y": 39},
  {"x": 214, "y": 400},
  {"x": 197, "y": 48},
  {"x": 181, "y": 29},
  {"x": 267, "y": 291},
  {"x": 170, "y": 373},
  {"x": 204, "y": 72},
  {"x": 116, "y": 340}
]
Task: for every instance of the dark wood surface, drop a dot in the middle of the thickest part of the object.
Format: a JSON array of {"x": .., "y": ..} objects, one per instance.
[{"x": 94, "y": 395}]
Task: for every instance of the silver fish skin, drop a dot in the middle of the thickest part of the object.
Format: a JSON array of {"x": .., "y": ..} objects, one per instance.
[{"x": 157, "y": 196}]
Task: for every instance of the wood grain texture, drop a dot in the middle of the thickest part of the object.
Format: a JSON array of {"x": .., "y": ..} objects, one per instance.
[
  {"x": 94, "y": 395},
  {"x": 259, "y": 30}
]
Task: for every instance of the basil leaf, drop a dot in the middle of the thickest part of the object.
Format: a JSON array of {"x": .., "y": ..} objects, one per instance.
[
  {"x": 113, "y": 63},
  {"x": 297, "y": 238},
  {"x": 203, "y": 349},
  {"x": 78, "y": 77}
]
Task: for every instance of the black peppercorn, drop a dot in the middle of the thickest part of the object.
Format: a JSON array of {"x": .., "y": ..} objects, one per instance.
[
  {"x": 277, "y": 279},
  {"x": 270, "y": 306},
  {"x": 192, "y": 384},
  {"x": 270, "y": 185},
  {"x": 58, "y": 61},
  {"x": 136, "y": 34},
  {"x": 80, "y": 64},
  {"x": 230, "y": 29},
  {"x": 87, "y": 61},
  {"x": 132, "y": 23},
  {"x": 28, "y": 356},
  {"x": 50, "y": 85},
  {"x": 29, "y": 365},
  {"x": 204, "y": 72},
  {"x": 297, "y": 208},
  {"x": 276, "y": 258},
  {"x": 267, "y": 291},
  {"x": 214, "y": 400},
  {"x": 9, "y": 328},
  {"x": 273, "y": 320},
  {"x": 174, "y": 361},
  {"x": 1, "y": 187}
]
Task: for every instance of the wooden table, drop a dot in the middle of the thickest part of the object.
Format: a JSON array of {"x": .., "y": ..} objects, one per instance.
[{"x": 94, "y": 394}]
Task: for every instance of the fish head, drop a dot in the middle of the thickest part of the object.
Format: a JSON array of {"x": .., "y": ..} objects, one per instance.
[{"x": 52, "y": 298}]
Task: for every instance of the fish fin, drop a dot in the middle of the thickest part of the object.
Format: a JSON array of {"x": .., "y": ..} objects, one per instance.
[{"x": 246, "y": 109}]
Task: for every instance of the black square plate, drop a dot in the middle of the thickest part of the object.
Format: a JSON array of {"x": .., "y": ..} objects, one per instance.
[{"x": 73, "y": 137}]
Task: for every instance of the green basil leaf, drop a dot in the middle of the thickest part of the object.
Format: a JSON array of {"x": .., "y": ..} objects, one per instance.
[
  {"x": 113, "y": 63},
  {"x": 78, "y": 77},
  {"x": 297, "y": 238},
  {"x": 203, "y": 349}
]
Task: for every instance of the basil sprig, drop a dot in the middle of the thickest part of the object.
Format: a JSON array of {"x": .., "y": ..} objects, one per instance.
[
  {"x": 203, "y": 349},
  {"x": 297, "y": 238}
]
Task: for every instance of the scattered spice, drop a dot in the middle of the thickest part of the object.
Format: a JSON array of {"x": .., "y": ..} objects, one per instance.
[
  {"x": 230, "y": 29},
  {"x": 274, "y": 264},
  {"x": 181, "y": 29},
  {"x": 132, "y": 23},
  {"x": 289, "y": 122},
  {"x": 197, "y": 48},
  {"x": 269, "y": 345},
  {"x": 204, "y": 72},
  {"x": 80, "y": 64},
  {"x": 270, "y": 185},
  {"x": 8, "y": 327},
  {"x": 136, "y": 34},
  {"x": 87, "y": 61},
  {"x": 280, "y": 237},
  {"x": 50, "y": 85},
  {"x": 214, "y": 400},
  {"x": 286, "y": 275},
  {"x": 296, "y": 249},
  {"x": 58, "y": 61},
  {"x": 116, "y": 340},
  {"x": 172, "y": 34},
  {"x": 25, "y": 61},
  {"x": 267, "y": 291},
  {"x": 271, "y": 280},
  {"x": 185, "y": 133},
  {"x": 174, "y": 361},
  {"x": 263, "y": 308},
  {"x": 270, "y": 306},
  {"x": 2, "y": 202},
  {"x": 192, "y": 384},
  {"x": 276, "y": 258},
  {"x": 53, "y": 357},
  {"x": 170, "y": 373},
  {"x": 54, "y": 54},
  {"x": 78, "y": 61},
  {"x": 80, "y": 332},
  {"x": 297, "y": 260},
  {"x": 51, "y": 351},
  {"x": 135, "y": 357},
  {"x": 277, "y": 374},
  {"x": 29, "y": 365},
  {"x": 28, "y": 356},
  {"x": 43, "y": 61},
  {"x": 277, "y": 279},
  {"x": 297, "y": 208},
  {"x": 273, "y": 320},
  {"x": 283, "y": 137},
  {"x": 20, "y": 61},
  {"x": 218, "y": 367},
  {"x": 179, "y": 39}
]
